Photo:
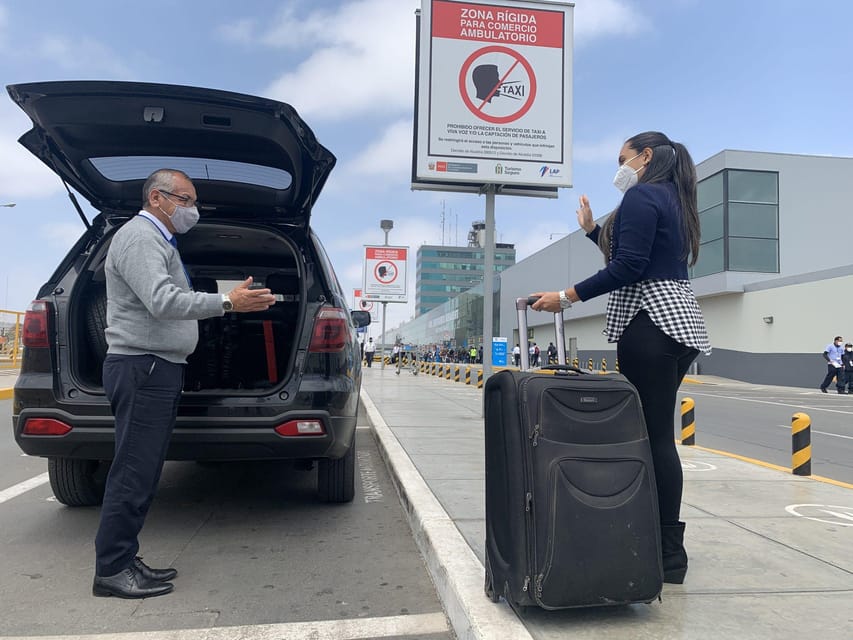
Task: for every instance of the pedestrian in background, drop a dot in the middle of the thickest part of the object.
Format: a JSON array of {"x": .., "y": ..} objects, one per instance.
[
  {"x": 369, "y": 350},
  {"x": 834, "y": 368},
  {"x": 847, "y": 362},
  {"x": 652, "y": 313}
]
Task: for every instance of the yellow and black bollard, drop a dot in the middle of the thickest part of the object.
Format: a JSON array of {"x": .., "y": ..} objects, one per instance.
[
  {"x": 688, "y": 422},
  {"x": 801, "y": 444},
  {"x": 480, "y": 379},
  {"x": 576, "y": 364},
  {"x": 589, "y": 365},
  {"x": 467, "y": 375},
  {"x": 604, "y": 365}
]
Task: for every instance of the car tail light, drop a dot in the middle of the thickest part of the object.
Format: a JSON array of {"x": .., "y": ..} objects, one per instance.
[
  {"x": 301, "y": 428},
  {"x": 45, "y": 427},
  {"x": 330, "y": 331},
  {"x": 35, "y": 325}
]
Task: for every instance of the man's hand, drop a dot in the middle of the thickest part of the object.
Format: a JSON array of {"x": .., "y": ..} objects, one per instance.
[
  {"x": 585, "y": 215},
  {"x": 548, "y": 301},
  {"x": 247, "y": 300}
]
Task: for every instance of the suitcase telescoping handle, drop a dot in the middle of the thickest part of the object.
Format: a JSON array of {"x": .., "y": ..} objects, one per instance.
[{"x": 521, "y": 305}]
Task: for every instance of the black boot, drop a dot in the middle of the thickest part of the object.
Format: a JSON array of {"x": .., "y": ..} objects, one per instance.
[{"x": 674, "y": 555}]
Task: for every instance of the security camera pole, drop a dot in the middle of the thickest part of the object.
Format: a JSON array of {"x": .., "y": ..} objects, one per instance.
[{"x": 386, "y": 226}]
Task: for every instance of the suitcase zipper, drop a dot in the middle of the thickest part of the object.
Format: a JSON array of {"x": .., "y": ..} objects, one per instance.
[{"x": 528, "y": 506}]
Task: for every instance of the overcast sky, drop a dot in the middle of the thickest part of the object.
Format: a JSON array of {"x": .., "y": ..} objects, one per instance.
[{"x": 764, "y": 75}]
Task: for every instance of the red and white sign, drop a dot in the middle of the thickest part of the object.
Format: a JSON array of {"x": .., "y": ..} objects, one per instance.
[
  {"x": 385, "y": 274},
  {"x": 359, "y": 303},
  {"x": 495, "y": 92}
]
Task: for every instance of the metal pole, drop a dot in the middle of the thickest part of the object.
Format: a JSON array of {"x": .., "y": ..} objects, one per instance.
[
  {"x": 384, "y": 309},
  {"x": 489, "y": 282}
]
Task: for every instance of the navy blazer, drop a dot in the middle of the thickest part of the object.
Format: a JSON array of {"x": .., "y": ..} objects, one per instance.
[{"x": 647, "y": 241}]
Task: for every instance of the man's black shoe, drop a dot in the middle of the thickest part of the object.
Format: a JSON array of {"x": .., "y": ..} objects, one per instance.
[
  {"x": 158, "y": 575},
  {"x": 822, "y": 390},
  {"x": 129, "y": 583}
]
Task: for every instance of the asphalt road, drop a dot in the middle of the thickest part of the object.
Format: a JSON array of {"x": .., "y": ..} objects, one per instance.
[
  {"x": 755, "y": 421},
  {"x": 252, "y": 545}
]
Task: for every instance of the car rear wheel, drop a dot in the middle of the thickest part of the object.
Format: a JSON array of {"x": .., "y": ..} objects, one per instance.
[
  {"x": 78, "y": 483},
  {"x": 336, "y": 478}
]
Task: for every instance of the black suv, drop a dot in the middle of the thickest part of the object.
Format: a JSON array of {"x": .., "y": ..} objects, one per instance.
[{"x": 281, "y": 384}]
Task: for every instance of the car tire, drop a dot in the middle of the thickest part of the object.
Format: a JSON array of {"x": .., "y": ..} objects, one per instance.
[
  {"x": 96, "y": 322},
  {"x": 336, "y": 478},
  {"x": 78, "y": 483}
]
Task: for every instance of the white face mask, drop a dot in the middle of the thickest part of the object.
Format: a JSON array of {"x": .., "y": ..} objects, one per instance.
[
  {"x": 626, "y": 177},
  {"x": 183, "y": 218}
]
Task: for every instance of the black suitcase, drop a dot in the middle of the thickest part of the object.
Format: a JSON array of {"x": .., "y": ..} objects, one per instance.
[{"x": 571, "y": 505}]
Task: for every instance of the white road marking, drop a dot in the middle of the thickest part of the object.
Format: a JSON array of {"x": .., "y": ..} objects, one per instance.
[
  {"x": 779, "y": 404},
  {"x": 389, "y": 627},
  {"x": 369, "y": 481},
  {"x": 823, "y": 433},
  {"x": 22, "y": 487}
]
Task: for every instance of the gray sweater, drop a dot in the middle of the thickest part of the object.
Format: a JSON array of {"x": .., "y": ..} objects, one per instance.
[{"x": 151, "y": 308}]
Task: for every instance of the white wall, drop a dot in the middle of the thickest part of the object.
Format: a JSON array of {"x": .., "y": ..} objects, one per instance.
[{"x": 815, "y": 218}]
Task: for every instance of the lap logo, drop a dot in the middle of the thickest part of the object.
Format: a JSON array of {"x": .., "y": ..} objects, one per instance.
[{"x": 589, "y": 399}]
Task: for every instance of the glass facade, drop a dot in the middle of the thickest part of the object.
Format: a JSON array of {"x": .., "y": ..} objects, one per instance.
[
  {"x": 739, "y": 218},
  {"x": 445, "y": 272}
]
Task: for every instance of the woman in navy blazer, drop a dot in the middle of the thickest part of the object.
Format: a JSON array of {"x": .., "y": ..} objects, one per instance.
[{"x": 652, "y": 314}]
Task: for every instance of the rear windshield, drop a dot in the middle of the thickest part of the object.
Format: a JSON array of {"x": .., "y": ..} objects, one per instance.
[{"x": 119, "y": 169}]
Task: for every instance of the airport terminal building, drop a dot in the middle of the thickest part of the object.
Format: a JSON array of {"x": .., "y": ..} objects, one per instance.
[{"x": 774, "y": 277}]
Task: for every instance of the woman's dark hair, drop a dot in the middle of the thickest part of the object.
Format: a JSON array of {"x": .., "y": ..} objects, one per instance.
[{"x": 670, "y": 163}]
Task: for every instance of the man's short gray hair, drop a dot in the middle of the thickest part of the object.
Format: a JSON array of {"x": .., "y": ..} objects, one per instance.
[{"x": 161, "y": 180}]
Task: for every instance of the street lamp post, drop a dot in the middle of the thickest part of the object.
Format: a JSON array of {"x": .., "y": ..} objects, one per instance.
[{"x": 386, "y": 226}]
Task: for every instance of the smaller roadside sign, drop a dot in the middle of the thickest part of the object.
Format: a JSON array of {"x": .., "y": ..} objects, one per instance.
[
  {"x": 499, "y": 351},
  {"x": 359, "y": 303},
  {"x": 385, "y": 274}
]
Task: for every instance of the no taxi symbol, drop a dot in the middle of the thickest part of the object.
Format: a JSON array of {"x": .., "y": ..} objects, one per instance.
[
  {"x": 830, "y": 514},
  {"x": 497, "y": 84}
]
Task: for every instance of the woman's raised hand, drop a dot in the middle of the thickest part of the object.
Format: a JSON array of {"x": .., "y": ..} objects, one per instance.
[{"x": 585, "y": 215}]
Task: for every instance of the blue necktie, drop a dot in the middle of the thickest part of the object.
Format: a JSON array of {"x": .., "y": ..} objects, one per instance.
[{"x": 174, "y": 242}]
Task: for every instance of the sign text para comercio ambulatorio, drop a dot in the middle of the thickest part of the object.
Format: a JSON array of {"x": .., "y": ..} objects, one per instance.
[{"x": 509, "y": 26}]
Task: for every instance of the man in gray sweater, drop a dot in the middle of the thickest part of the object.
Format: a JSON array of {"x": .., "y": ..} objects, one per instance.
[{"x": 152, "y": 327}]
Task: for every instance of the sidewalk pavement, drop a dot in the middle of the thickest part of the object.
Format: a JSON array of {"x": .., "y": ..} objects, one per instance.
[
  {"x": 766, "y": 559},
  {"x": 8, "y": 377}
]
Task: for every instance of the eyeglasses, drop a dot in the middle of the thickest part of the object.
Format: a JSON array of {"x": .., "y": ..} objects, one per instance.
[{"x": 185, "y": 201}]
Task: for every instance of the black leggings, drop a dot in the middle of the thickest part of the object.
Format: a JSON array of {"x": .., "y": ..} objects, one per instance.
[{"x": 655, "y": 364}]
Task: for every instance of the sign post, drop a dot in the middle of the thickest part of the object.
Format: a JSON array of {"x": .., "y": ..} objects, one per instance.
[
  {"x": 493, "y": 107},
  {"x": 384, "y": 279}
]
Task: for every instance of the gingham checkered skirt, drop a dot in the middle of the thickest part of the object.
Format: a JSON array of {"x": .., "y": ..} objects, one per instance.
[{"x": 670, "y": 304}]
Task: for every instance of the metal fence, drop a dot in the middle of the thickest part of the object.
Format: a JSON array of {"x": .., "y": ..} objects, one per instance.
[{"x": 11, "y": 345}]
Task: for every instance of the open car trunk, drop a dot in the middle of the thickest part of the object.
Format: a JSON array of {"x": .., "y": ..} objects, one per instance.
[{"x": 235, "y": 352}]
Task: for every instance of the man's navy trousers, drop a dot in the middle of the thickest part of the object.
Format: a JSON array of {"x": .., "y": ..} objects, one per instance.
[{"x": 144, "y": 392}]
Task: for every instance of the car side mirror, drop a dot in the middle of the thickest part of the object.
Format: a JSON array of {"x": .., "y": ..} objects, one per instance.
[{"x": 360, "y": 318}]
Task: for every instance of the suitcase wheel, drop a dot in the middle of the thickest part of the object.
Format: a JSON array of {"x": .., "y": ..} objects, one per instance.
[{"x": 490, "y": 587}]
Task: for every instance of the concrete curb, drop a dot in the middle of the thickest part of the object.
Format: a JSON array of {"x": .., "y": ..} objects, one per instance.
[
  {"x": 6, "y": 394},
  {"x": 455, "y": 569}
]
